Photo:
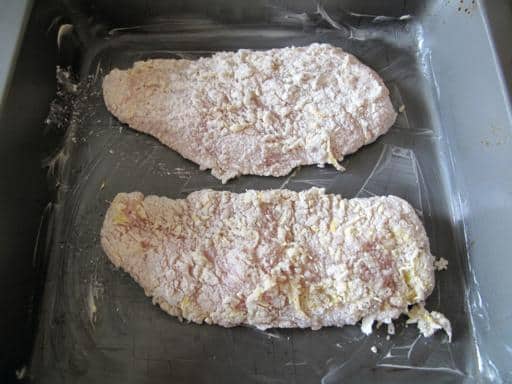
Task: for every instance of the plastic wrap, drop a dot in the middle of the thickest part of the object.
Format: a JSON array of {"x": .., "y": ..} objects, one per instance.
[{"x": 96, "y": 325}]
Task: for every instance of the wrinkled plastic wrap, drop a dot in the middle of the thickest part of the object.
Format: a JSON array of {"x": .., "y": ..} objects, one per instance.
[{"x": 96, "y": 325}]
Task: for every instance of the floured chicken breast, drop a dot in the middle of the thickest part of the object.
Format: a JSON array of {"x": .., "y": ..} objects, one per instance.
[
  {"x": 255, "y": 112},
  {"x": 275, "y": 258}
]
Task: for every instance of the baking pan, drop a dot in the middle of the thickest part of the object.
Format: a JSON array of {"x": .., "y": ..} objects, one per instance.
[{"x": 73, "y": 318}]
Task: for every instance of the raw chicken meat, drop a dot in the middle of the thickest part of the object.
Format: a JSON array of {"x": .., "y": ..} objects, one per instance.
[
  {"x": 255, "y": 112},
  {"x": 274, "y": 258}
]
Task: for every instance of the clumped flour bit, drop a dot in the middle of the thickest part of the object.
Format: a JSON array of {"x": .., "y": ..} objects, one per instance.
[
  {"x": 441, "y": 264},
  {"x": 255, "y": 112},
  {"x": 275, "y": 258}
]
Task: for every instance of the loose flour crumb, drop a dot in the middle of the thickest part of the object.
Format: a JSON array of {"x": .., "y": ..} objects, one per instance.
[{"x": 441, "y": 264}]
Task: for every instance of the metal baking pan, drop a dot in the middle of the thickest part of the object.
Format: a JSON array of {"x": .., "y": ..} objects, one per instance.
[{"x": 71, "y": 317}]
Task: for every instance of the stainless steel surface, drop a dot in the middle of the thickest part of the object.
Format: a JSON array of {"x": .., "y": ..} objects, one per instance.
[
  {"x": 446, "y": 154},
  {"x": 13, "y": 17}
]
